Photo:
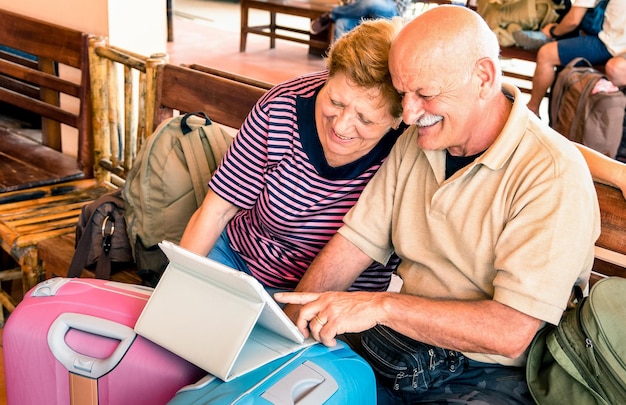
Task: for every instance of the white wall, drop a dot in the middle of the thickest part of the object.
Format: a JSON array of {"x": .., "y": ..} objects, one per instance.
[{"x": 137, "y": 25}]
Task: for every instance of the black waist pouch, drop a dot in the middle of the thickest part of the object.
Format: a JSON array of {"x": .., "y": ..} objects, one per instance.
[{"x": 404, "y": 364}]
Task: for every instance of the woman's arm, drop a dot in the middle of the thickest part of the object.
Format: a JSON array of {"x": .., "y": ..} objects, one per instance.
[
  {"x": 207, "y": 223},
  {"x": 604, "y": 169}
]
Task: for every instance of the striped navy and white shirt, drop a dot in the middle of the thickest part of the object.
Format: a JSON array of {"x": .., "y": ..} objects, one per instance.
[{"x": 292, "y": 202}]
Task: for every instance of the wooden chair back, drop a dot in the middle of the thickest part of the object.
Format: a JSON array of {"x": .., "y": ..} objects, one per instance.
[
  {"x": 44, "y": 70},
  {"x": 225, "y": 97}
]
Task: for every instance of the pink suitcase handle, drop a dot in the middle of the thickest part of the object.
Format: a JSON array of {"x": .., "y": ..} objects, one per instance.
[{"x": 82, "y": 364}]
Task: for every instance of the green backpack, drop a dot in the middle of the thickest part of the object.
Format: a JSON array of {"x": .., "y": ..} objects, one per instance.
[
  {"x": 166, "y": 185},
  {"x": 583, "y": 359}
]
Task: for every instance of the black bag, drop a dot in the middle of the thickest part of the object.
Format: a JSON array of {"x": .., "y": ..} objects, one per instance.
[
  {"x": 101, "y": 237},
  {"x": 406, "y": 365}
]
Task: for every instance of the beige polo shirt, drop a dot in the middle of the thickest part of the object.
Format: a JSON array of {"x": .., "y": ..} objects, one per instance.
[{"x": 518, "y": 225}]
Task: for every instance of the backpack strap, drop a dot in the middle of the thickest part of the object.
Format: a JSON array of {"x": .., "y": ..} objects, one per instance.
[
  {"x": 558, "y": 87},
  {"x": 196, "y": 159},
  {"x": 82, "y": 249}
]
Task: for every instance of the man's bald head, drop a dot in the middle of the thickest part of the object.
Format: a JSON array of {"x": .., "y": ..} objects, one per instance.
[{"x": 448, "y": 37}]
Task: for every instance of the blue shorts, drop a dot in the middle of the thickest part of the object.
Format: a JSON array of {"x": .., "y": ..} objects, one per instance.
[
  {"x": 222, "y": 253},
  {"x": 586, "y": 46}
]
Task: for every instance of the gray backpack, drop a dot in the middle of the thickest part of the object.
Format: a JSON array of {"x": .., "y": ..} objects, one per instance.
[
  {"x": 583, "y": 359},
  {"x": 595, "y": 120},
  {"x": 166, "y": 185}
]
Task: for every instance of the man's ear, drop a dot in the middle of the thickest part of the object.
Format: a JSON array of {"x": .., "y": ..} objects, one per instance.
[{"x": 486, "y": 72}]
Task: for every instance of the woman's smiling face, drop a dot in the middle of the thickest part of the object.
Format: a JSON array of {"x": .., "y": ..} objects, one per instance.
[{"x": 350, "y": 119}]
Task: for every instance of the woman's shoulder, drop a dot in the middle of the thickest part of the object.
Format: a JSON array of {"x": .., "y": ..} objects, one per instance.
[{"x": 305, "y": 85}]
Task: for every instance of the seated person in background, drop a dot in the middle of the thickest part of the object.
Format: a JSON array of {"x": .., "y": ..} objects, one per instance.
[
  {"x": 353, "y": 12},
  {"x": 493, "y": 214},
  {"x": 506, "y": 17},
  {"x": 568, "y": 26},
  {"x": 299, "y": 163},
  {"x": 611, "y": 41},
  {"x": 615, "y": 70}
]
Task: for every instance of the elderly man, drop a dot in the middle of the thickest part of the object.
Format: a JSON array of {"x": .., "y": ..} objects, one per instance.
[{"x": 493, "y": 214}]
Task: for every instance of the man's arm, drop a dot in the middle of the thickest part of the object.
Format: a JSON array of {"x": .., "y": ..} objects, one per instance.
[
  {"x": 484, "y": 326},
  {"x": 335, "y": 268},
  {"x": 569, "y": 23}
]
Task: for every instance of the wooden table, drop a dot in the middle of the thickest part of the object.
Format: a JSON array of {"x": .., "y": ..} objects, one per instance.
[{"x": 311, "y": 9}]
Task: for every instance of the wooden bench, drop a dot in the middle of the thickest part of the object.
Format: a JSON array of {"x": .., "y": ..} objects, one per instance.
[
  {"x": 311, "y": 9},
  {"x": 43, "y": 71},
  {"x": 178, "y": 89},
  {"x": 611, "y": 245}
]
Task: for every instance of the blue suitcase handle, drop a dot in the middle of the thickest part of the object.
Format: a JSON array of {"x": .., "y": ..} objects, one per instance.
[{"x": 82, "y": 364}]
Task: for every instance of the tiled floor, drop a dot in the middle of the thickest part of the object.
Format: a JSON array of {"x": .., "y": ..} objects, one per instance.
[{"x": 212, "y": 38}]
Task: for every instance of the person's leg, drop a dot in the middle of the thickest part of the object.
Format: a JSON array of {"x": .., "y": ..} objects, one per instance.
[
  {"x": 222, "y": 253},
  {"x": 616, "y": 70},
  {"x": 547, "y": 60},
  {"x": 359, "y": 9},
  {"x": 345, "y": 24},
  {"x": 482, "y": 383},
  {"x": 348, "y": 16}
]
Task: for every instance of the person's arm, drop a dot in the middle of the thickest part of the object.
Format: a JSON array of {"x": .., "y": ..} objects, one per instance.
[
  {"x": 206, "y": 224},
  {"x": 569, "y": 23},
  {"x": 503, "y": 330},
  {"x": 335, "y": 268},
  {"x": 604, "y": 169}
]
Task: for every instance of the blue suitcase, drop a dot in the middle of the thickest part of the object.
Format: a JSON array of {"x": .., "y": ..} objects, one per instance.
[{"x": 315, "y": 375}]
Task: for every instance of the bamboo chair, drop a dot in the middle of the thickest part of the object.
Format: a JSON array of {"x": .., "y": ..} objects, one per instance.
[
  {"x": 41, "y": 216},
  {"x": 226, "y": 97},
  {"x": 123, "y": 90}
]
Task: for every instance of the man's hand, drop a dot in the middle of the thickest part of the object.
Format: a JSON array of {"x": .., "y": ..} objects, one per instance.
[{"x": 323, "y": 316}]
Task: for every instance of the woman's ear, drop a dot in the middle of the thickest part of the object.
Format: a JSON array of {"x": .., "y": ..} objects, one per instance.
[{"x": 396, "y": 123}]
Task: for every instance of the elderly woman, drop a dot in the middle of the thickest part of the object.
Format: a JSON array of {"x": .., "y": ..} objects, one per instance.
[{"x": 300, "y": 162}]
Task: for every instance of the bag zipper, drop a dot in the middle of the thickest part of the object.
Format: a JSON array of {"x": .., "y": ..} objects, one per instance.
[
  {"x": 401, "y": 370},
  {"x": 565, "y": 345},
  {"x": 615, "y": 386}
]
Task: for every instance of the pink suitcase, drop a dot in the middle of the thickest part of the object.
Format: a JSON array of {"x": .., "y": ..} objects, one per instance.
[{"x": 71, "y": 341}]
